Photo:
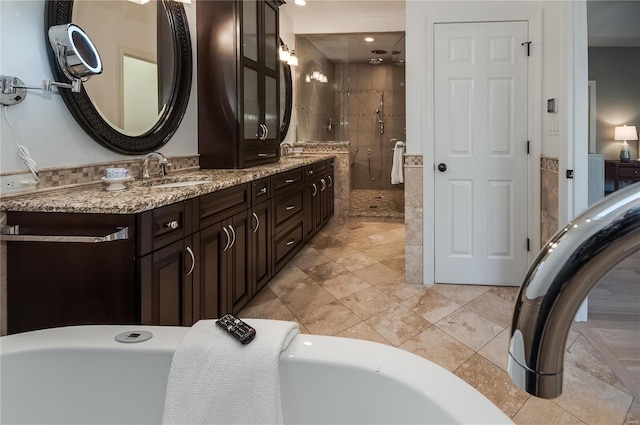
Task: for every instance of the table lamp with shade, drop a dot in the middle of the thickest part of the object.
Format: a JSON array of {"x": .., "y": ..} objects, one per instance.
[{"x": 624, "y": 133}]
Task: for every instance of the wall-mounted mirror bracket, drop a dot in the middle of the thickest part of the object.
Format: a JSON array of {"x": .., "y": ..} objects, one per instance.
[{"x": 78, "y": 59}]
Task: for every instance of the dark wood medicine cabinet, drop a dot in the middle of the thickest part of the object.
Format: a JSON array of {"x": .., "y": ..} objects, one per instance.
[{"x": 238, "y": 83}]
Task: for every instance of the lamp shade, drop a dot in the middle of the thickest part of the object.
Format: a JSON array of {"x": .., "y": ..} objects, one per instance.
[{"x": 626, "y": 132}]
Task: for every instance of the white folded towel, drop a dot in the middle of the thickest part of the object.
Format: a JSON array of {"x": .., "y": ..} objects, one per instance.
[
  {"x": 214, "y": 379},
  {"x": 397, "y": 176}
]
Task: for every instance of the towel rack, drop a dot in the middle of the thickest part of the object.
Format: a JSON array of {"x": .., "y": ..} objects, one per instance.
[
  {"x": 394, "y": 141},
  {"x": 12, "y": 233}
]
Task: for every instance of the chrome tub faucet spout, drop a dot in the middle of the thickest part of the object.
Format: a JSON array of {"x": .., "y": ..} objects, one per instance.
[
  {"x": 162, "y": 164},
  {"x": 559, "y": 280}
]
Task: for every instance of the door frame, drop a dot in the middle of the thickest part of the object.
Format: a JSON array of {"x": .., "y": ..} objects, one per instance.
[{"x": 533, "y": 16}]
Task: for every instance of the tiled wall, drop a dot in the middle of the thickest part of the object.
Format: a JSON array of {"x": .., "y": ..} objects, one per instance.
[
  {"x": 414, "y": 219},
  {"x": 548, "y": 198},
  {"x": 371, "y": 150},
  {"x": 315, "y": 101},
  {"x": 56, "y": 177}
]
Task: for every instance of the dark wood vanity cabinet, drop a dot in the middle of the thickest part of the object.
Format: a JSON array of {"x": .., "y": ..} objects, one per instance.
[
  {"x": 52, "y": 283},
  {"x": 177, "y": 264},
  {"x": 318, "y": 195},
  {"x": 238, "y": 83}
]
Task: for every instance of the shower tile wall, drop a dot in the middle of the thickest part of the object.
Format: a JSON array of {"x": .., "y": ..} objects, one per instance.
[
  {"x": 367, "y": 84},
  {"x": 315, "y": 101}
]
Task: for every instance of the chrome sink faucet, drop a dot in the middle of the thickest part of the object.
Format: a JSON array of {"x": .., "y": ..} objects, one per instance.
[
  {"x": 286, "y": 147},
  {"x": 559, "y": 280},
  {"x": 162, "y": 163}
]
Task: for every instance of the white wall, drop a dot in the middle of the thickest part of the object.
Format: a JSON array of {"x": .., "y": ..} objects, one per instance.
[{"x": 42, "y": 121}]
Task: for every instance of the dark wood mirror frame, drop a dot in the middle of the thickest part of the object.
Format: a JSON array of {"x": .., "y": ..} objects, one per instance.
[
  {"x": 88, "y": 117},
  {"x": 285, "y": 70}
]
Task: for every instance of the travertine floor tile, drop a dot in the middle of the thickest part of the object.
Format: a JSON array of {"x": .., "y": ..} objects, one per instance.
[
  {"x": 355, "y": 261},
  {"x": 633, "y": 417},
  {"x": 590, "y": 399},
  {"x": 329, "y": 319},
  {"x": 344, "y": 284},
  {"x": 397, "y": 263},
  {"x": 497, "y": 350},
  {"x": 461, "y": 294},
  {"x": 375, "y": 273},
  {"x": 398, "y": 324},
  {"x": 381, "y": 252},
  {"x": 368, "y": 302},
  {"x": 398, "y": 290},
  {"x": 309, "y": 257},
  {"x": 435, "y": 345},
  {"x": 325, "y": 271},
  {"x": 538, "y": 411},
  {"x": 363, "y": 331},
  {"x": 493, "y": 307},
  {"x": 431, "y": 305},
  {"x": 305, "y": 297},
  {"x": 494, "y": 383},
  {"x": 468, "y": 327}
]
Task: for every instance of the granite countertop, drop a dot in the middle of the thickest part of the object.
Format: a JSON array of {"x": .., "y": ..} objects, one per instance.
[{"x": 141, "y": 195}]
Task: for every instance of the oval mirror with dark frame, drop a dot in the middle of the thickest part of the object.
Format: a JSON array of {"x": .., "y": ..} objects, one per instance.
[
  {"x": 154, "y": 78},
  {"x": 286, "y": 97}
]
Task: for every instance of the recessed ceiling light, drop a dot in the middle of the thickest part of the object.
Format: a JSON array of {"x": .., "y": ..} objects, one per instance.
[
  {"x": 300, "y": 2},
  {"x": 369, "y": 39}
]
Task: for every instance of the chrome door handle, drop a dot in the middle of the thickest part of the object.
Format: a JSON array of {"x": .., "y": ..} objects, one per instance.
[
  {"x": 257, "y": 222},
  {"x": 324, "y": 185},
  {"x": 193, "y": 261},
  {"x": 330, "y": 181},
  {"x": 226, "y": 232},
  {"x": 315, "y": 189},
  {"x": 233, "y": 234}
]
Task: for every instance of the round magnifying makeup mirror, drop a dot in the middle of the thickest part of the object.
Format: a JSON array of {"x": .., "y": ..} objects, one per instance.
[{"x": 139, "y": 100}]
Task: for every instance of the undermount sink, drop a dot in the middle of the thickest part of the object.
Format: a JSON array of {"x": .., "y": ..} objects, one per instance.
[{"x": 180, "y": 184}]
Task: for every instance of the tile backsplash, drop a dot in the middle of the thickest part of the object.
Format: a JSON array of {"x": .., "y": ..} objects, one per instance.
[{"x": 51, "y": 178}]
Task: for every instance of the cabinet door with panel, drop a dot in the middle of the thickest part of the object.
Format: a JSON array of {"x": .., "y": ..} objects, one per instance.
[
  {"x": 166, "y": 285},
  {"x": 238, "y": 83},
  {"x": 261, "y": 245}
]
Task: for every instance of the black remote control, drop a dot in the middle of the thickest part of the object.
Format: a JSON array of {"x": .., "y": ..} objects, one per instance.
[{"x": 236, "y": 327}]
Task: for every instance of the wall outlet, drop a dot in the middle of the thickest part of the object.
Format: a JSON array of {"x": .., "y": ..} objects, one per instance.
[{"x": 15, "y": 183}]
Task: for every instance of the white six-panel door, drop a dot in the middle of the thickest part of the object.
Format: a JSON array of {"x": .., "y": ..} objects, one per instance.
[{"x": 480, "y": 83}]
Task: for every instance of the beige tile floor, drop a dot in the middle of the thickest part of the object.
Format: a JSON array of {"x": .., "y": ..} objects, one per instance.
[{"x": 349, "y": 282}]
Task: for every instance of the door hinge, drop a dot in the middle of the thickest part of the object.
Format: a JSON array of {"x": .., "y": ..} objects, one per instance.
[
  {"x": 569, "y": 174},
  {"x": 528, "y": 43},
  {"x": 528, "y": 147},
  {"x": 528, "y": 245}
]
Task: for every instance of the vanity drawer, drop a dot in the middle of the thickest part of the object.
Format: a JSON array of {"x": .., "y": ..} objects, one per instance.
[
  {"x": 216, "y": 206},
  {"x": 287, "y": 244},
  {"x": 287, "y": 180},
  {"x": 260, "y": 154},
  {"x": 260, "y": 190},
  {"x": 163, "y": 226},
  {"x": 286, "y": 206}
]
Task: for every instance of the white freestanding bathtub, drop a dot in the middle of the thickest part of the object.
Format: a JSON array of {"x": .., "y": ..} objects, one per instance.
[{"x": 81, "y": 375}]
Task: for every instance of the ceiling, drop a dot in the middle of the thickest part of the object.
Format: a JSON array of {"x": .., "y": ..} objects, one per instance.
[
  {"x": 352, "y": 48},
  {"x": 610, "y": 23}
]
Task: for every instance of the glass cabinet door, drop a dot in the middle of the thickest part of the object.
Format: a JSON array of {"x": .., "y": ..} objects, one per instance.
[
  {"x": 251, "y": 104},
  {"x": 271, "y": 42},
  {"x": 250, "y": 29},
  {"x": 272, "y": 105}
]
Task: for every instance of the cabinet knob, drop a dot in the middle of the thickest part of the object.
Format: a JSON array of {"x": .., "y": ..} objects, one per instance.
[{"x": 172, "y": 225}]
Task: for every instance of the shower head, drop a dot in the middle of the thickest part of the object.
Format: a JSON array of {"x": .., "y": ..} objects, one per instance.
[{"x": 375, "y": 60}]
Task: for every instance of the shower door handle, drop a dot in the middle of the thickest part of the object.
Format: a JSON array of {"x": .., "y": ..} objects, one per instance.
[{"x": 442, "y": 167}]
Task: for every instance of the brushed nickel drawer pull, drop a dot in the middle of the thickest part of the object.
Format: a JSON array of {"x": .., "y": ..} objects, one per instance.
[
  {"x": 12, "y": 234},
  {"x": 291, "y": 242},
  {"x": 262, "y": 155},
  {"x": 289, "y": 181},
  {"x": 263, "y": 190},
  {"x": 193, "y": 261},
  {"x": 290, "y": 207},
  {"x": 257, "y": 222},
  {"x": 226, "y": 232},
  {"x": 172, "y": 224}
]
